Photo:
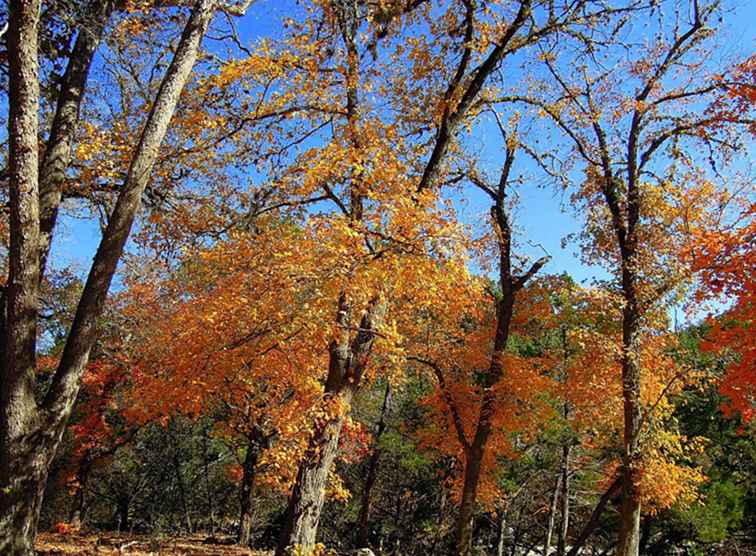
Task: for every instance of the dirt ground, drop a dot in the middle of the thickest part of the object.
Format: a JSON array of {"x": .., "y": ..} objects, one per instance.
[{"x": 53, "y": 544}]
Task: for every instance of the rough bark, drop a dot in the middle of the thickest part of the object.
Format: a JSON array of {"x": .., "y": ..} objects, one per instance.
[
  {"x": 363, "y": 521},
  {"x": 306, "y": 501},
  {"x": 510, "y": 284},
  {"x": 247, "y": 493},
  {"x": 553, "y": 508},
  {"x": 31, "y": 433},
  {"x": 57, "y": 156},
  {"x": 348, "y": 357},
  {"x": 23, "y": 469}
]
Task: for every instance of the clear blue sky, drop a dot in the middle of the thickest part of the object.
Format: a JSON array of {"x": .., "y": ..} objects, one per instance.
[{"x": 543, "y": 215}]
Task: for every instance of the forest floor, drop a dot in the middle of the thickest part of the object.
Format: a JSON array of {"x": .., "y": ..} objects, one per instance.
[{"x": 112, "y": 544}]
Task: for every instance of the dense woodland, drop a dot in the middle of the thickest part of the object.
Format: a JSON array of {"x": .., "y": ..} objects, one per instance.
[{"x": 305, "y": 314}]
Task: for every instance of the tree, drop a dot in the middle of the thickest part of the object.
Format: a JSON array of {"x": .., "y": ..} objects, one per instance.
[
  {"x": 641, "y": 191},
  {"x": 725, "y": 258}
]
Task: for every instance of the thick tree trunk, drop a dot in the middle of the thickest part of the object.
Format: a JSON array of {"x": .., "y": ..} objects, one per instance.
[
  {"x": 363, "y": 522},
  {"x": 23, "y": 465},
  {"x": 348, "y": 357},
  {"x": 247, "y": 494},
  {"x": 306, "y": 500}
]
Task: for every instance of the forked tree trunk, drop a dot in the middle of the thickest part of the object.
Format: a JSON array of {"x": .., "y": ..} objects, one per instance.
[
  {"x": 510, "y": 284},
  {"x": 348, "y": 357}
]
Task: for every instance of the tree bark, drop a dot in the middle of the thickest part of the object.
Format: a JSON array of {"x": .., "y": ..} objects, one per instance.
[
  {"x": 348, "y": 357},
  {"x": 30, "y": 434},
  {"x": 564, "y": 523},
  {"x": 552, "y": 514},
  {"x": 57, "y": 156},
  {"x": 363, "y": 522},
  {"x": 611, "y": 493},
  {"x": 306, "y": 501},
  {"x": 23, "y": 469},
  {"x": 510, "y": 284},
  {"x": 630, "y": 514},
  {"x": 247, "y": 494}
]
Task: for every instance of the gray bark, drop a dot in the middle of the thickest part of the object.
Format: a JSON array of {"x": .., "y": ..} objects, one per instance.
[
  {"x": 347, "y": 360},
  {"x": 22, "y": 470},
  {"x": 553, "y": 508},
  {"x": 57, "y": 157},
  {"x": 510, "y": 284}
]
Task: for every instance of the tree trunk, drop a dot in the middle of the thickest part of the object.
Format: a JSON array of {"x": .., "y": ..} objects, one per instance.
[
  {"x": 464, "y": 526},
  {"x": 348, "y": 357},
  {"x": 23, "y": 465},
  {"x": 510, "y": 284},
  {"x": 552, "y": 515},
  {"x": 564, "y": 524},
  {"x": 57, "y": 155},
  {"x": 501, "y": 534},
  {"x": 629, "y": 535},
  {"x": 306, "y": 500},
  {"x": 363, "y": 522},
  {"x": 611, "y": 493},
  {"x": 247, "y": 494}
]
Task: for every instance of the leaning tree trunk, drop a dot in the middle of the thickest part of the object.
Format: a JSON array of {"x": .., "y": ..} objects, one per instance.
[
  {"x": 306, "y": 500},
  {"x": 348, "y": 357}
]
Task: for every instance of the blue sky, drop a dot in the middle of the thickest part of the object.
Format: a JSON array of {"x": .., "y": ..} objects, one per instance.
[{"x": 543, "y": 215}]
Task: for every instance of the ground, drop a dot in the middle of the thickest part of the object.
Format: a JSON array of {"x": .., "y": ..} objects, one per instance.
[{"x": 106, "y": 544}]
